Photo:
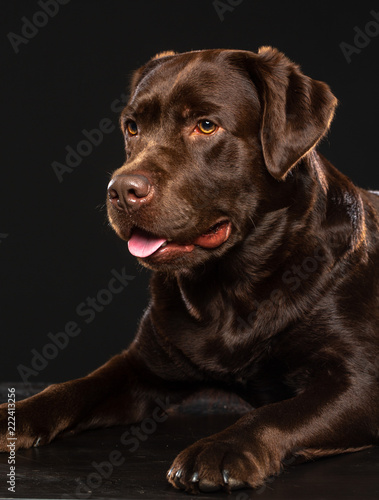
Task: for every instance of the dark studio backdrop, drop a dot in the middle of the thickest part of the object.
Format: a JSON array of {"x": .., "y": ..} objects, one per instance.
[{"x": 65, "y": 70}]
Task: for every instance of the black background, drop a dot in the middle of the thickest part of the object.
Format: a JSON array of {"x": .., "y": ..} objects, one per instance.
[{"x": 55, "y": 246}]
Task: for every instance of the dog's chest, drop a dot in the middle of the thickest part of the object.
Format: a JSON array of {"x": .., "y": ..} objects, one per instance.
[{"x": 249, "y": 370}]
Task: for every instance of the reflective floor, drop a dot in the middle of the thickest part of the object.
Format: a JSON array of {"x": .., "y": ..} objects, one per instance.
[{"x": 125, "y": 463}]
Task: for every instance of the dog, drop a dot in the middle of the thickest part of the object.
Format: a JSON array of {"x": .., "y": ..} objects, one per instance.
[{"x": 265, "y": 263}]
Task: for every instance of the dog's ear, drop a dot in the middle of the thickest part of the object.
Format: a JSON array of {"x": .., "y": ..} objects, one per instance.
[
  {"x": 297, "y": 110},
  {"x": 166, "y": 53},
  {"x": 143, "y": 70}
]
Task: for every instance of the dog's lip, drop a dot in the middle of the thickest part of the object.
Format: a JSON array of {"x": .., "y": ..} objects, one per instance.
[
  {"x": 216, "y": 235},
  {"x": 144, "y": 244}
]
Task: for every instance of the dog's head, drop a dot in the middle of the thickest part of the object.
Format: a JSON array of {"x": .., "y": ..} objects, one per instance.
[{"x": 210, "y": 137}]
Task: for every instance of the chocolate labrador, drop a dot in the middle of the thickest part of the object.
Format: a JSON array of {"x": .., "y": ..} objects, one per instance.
[{"x": 265, "y": 263}]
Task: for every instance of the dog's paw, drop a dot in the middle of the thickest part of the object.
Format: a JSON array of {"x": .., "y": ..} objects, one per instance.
[
  {"x": 33, "y": 424},
  {"x": 26, "y": 434},
  {"x": 216, "y": 463}
]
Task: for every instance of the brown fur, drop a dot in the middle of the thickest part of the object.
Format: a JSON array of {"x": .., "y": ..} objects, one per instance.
[{"x": 284, "y": 311}]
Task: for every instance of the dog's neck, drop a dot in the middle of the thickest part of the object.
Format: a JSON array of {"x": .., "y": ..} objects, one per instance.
[{"x": 275, "y": 248}]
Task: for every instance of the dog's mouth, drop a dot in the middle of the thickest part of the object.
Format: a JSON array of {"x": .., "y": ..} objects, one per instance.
[{"x": 144, "y": 244}]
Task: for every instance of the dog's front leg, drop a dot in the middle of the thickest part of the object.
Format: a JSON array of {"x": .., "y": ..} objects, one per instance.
[
  {"x": 121, "y": 391},
  {"x": 333, "y": 415}
]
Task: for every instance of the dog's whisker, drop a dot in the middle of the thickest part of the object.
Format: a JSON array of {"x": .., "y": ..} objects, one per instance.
[{"x": 252, "y": 220}]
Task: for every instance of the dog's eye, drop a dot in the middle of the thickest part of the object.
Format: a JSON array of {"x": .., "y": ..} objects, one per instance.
[
  {"x": 206, "y": 126},
  {"x": 132, "y": 128}
]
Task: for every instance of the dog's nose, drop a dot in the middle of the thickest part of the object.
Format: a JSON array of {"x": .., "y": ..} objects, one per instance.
[{"x": 129, "y": 191}]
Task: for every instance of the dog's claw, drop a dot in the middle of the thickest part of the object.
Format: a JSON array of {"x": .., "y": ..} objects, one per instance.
[
  {"x": 178, "y": 474},
  {"x": 37, "y": 442},
  {"x": 225, "y": 476},
  {"x": 195, "y": 478}
]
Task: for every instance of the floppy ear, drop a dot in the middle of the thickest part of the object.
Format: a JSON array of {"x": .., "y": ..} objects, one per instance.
[
  {"x": 297, "y": 110},
  {"x": 143, "y": 70}
]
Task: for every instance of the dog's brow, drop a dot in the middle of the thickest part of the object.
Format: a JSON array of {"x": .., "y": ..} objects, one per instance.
[
  {"x": 128, "y": 112},
  {"x": 203, "y": 107}
]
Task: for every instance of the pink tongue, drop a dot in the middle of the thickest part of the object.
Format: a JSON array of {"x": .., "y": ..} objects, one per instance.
[{"x": 142, "y": 244}]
